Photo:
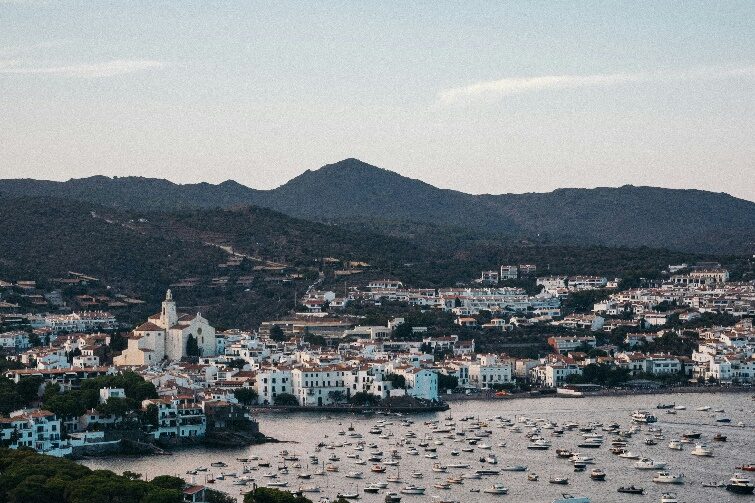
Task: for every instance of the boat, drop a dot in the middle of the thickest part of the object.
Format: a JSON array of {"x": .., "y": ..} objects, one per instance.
[
  {"x": 563, "y": 453},
  {"x": 739, "y": 484},
  {"x": 641, "y": 416},
  {"x": 331, "y": 468},
  {"x": 671, "y": 411},
  {"x": 392, "y": 498},
  {"x": 558, "y": 480},
  {"x": 309, "y": 489},
  {"x": 629, "y": 455},
  {"x": 218, "y": 464},
  {"x": 277, "y": 483},
  {"x": 675, "y": 445},
  {"x": 540, "y": 444},
  {"x": 680, "y": 407},
  {"x": 412, "y": 489},
  {"x": 649, "y": 464},
  {"x": 702, "y": 451},
  {"x": 496, "y": 489},
  {"x": 455, "y": 480},
  {"x": 458, "y": 465},
  {"x": 692, "y": 434},
  {"x": 354, "y": 475},
  {"x": 598, "y": 474},
  {"x": 713, "y": 484},
  {"x": 568, "y": 498},
  {"x": 533, "y": 477},
  {"x": 666, "y": 478},
  {"x": 631, "y": 490},
  {"x": 442, "y": 485},
  {"x": 491, "y": 472},
  {"x": 377, "y": 468},
  {"x": 348, "y": 496},
  {"x": 747, "y": 468},
  {"x": 665, "y": 406},
  {"x": 669, "y": 498},
  {"x": 650, "y": 441},
  {"x": 305, "y": 475},
  {"x": 718, "y": 437},
  {"x": 705, "y": 408},
  {"x": 514, "y": 468}
]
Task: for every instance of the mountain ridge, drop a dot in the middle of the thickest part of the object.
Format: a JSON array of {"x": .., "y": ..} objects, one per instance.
[{"x": 354, "y": 191}]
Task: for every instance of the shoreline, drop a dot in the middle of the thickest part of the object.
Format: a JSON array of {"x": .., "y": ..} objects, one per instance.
[{"x": 490, "y": 396}]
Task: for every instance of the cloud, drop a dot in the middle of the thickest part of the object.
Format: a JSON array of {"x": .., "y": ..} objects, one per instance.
[
  {"x": 85, "y": 70},
  {"x": 519, "y": 85}
]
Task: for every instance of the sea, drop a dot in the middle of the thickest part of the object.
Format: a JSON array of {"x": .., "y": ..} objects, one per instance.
[{"x": 301, "y": 434}]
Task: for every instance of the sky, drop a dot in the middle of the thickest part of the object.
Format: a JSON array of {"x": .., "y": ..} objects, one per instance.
[{"x": 483, "y": 97}]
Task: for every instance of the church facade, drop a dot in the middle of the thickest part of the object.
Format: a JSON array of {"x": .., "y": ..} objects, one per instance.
[{"x": 165, "y": 336}]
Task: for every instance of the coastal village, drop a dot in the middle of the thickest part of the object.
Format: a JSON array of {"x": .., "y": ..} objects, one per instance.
[{"x": 206, "y": 381}]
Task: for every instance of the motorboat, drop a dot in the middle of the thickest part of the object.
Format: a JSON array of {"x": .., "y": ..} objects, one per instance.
[
  {"x": 563, "y": 453},
  {"x": 217, "y": 464},
  {"x": 455, "y": 480},
  {"x": 578, "y": 458},
  {"x": 558, "y": 480},
  {"x": 309, "y": 489},
  {"x": 739, "y": 484},
  {"x": 747, "y": 468},
  {"x": 372, "y": 489},
  {"x": 458, "y": 465},
  {"x": 486, "y": 471},
  {"x": 641, "y": 416},
  {"x": 514, "y": 468},
  {"x": 417, "y": 475},
  {"x": 304, "y": 475},
  {"x": 348, "y": 496},
  {"x": 675, "y": 445},
  {"x": 667, "y": 478},
  {"x": 541, "y": 445},
  {"x": 412, "y": 489},
  {"x": 377, "y": 468},
  {"x": 705, "y": 408},
  {"x": 669, "y": 498},
  {"x": 713, "y": 484},
  {"x": 442, "y": 485},
  {"x": 598, "y": 474},
  {"x": 665, "y": 406},
  {"x": 277, "y": 483},
  {"x": 392, "y": 498},
  {"x": 354, "y": 475},
  {"x": 631, "y": 490},
  {"x": 649, "y": 464},
  {"x": 568, "y": 498},
  {"x": 718, "y": 437},
  {"x": 680, "y": 407},
  {"x": 437, "y": 467},
  {"x": 496, "y": 489},
  {"x": 692, "y": 434},
  {"x": 533, "y": 477},
  {"x": 331, "y": 468},
  {"x": 629, "y": 455},
  {"x": 702, "y": 451}
]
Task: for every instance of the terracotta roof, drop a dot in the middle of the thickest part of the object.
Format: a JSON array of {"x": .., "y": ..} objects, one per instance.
[{"x": 147, "y": 327}]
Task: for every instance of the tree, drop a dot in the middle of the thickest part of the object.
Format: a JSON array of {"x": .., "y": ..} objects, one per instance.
[
  {"x": 246, "y": 396},
  {"x": 446, "y": 381},
  {"x": 336, "y": 396},
  {"x": 270, "y": 495},
  {"x": 364, "y": 398},
  {"x": 192, "y": 348},
  {"x": 285, "y": 399},
  {"x": 276, "y": 334},
  {"x": 398, "y": 381}
]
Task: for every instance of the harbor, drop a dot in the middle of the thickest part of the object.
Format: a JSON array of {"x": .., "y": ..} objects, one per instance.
[{"x": 663, "y": 447}]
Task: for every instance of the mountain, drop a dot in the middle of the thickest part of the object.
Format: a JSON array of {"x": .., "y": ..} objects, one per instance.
[{"x": 355, "y": 192}]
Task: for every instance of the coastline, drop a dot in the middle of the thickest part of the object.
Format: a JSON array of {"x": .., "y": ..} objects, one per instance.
[{"x": 490, "y": 396}]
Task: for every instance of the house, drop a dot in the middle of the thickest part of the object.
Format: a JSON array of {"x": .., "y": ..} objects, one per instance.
[
  {"x": 489, "y": 277},
  {"x": 565, "y": 344},
  {"x": 35, "y": 428},
  {"x": 509, "y": 272}
]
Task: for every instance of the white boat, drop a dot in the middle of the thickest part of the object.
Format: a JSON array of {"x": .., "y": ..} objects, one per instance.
[
  {"x": 513, "y": 468},
  {"x": 668, "y": 478},
  {"x": 496, "y": 489},
  {"x": 649, "y": 464},
  {"x": 437, "y": 467},
  {"x": 702, "y": 451},
  {"x": 675, "y": 445},
  {"x": 629, "y": 455},
  {"x": 641, "y": 416},
  {"x": 412, "y": 489},
  {"x": 577, "y": 458},
  {"x": 669, "y": 498},
  {"x": 354, "y": 475},
  {"x": 277, "y": 483},
  {"x": 540, "y": 444},
  {"x": 705, "y": 408},
  {"x": 309, "y": 489},
  {"x": 568, "y": 498}
]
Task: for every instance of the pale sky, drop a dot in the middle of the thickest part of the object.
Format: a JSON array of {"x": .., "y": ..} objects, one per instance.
[{"x": 484, "y": 97}]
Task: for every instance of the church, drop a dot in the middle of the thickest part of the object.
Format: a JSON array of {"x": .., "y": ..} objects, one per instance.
[{"x": 165, "y": 335}]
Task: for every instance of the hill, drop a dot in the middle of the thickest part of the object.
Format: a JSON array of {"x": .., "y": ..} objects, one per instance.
[{"x": 356, "y": 192}]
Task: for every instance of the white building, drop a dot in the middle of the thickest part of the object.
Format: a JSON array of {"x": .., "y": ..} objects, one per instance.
[
  {"x": 488, "y": 371},
  {"x": 37, "y": 429},
  {"x": 165, "y": 337}
]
